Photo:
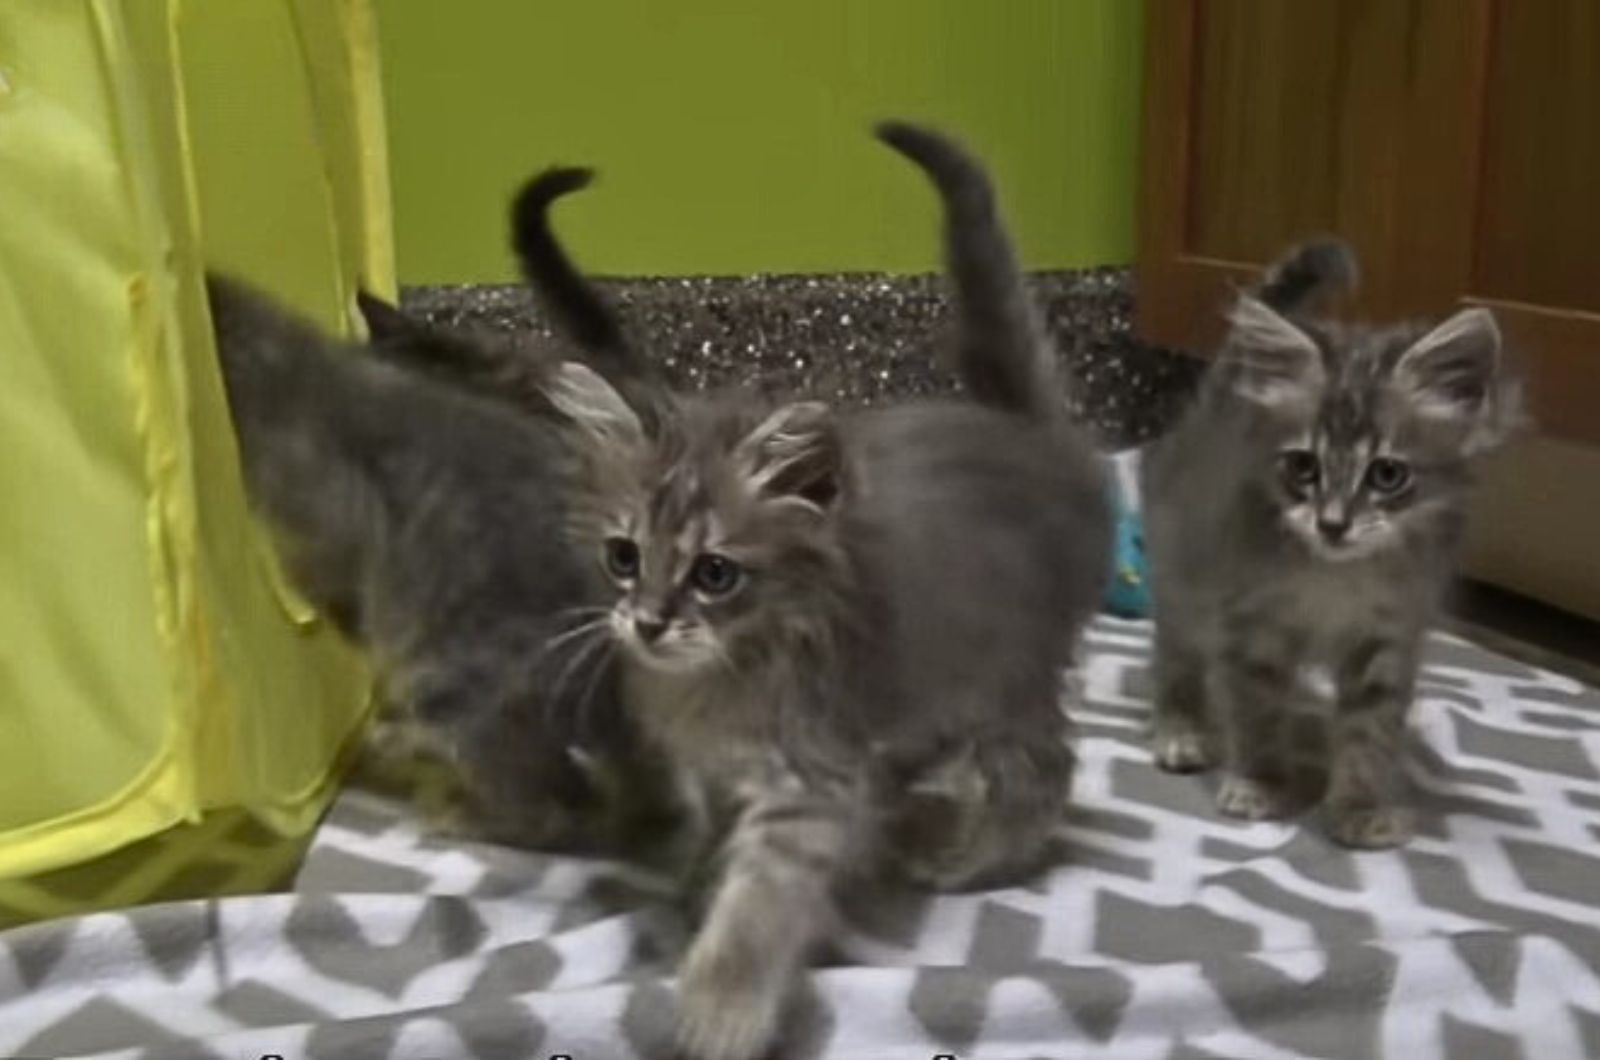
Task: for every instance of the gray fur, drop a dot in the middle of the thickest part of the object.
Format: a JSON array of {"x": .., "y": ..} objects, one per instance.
[
  {"x": 913, "y": 584},
  {"x": 1002, "y": 353},
  {"x": 883, "y": 689},
  {"x": 431, "y": 525},
  {"x": 1260, "y": 567}
]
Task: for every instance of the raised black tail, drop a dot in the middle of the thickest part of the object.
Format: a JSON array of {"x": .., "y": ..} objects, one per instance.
[
  {"x": 1003, "y": 356},
  {"x": 511, "y": 371},
  {"x": 1316, "y": 270},
  {"x": 579, "y": 309}
]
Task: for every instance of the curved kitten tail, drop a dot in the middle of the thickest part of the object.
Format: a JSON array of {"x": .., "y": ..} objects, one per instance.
[
  {"x": 1309, "y": 275},
  {"x": 566, "y": 294},
  {"x": 1003, "y": 356}
]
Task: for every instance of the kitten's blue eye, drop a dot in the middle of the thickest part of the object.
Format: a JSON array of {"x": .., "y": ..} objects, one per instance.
[
  {"x": 715, "y": 575},
  {"x": 622, "y": 558},
  {"x": 1388, "y": 475},
  {"x": 1300, "y": 467}
]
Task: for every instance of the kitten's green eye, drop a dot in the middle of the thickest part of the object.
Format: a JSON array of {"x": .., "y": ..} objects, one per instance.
[
  {"x": 1300, "y": 467},
  {"x": 622, "y": 558},
  {"x": 1388, "y": 475},
  {"x": 715, "y": 575}
]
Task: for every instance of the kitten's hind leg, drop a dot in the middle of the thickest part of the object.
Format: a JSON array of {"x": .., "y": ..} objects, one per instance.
[
  {"x": 773, "y": 903},
  {"x": 1180, "y": 737},
  {"x": 989, "y": 816},
  {"x": 1365, "y": 801},
  {"x": 523, "y": 787}
]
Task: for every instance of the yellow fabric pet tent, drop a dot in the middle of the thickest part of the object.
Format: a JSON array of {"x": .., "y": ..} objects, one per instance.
[{"x": 170, "y": 715}]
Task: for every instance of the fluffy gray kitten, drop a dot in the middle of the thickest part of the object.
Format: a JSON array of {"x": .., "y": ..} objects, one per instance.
[
  {"x": 1307, "y": 510},
  {"x": 833, "y": 622},
  {"x": 430, "y": 525}
]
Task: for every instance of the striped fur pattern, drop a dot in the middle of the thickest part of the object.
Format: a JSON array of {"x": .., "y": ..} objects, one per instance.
[
  {"x": 849, "y": 631},
  {"x": 1307, "y": 511}
]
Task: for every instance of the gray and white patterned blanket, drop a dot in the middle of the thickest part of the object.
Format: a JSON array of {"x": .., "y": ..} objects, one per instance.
[{"x": 1166, "y": 931}]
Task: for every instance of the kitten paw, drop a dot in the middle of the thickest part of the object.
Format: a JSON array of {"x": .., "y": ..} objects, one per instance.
[
  {"x": 1181, "y": 750},
  {"x": 1368, "y": 827},
  {"x": 722, "y": 1016},
  {"x": 1249, "y": 799}
]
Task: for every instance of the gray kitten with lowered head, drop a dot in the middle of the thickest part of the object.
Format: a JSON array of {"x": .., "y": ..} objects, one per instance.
[
  {"x": 821, "y": 614},
  {"x": 429, "y": 524},
  {"x": 1308, "y": 509},
  {"x": 890, "y": 610}
]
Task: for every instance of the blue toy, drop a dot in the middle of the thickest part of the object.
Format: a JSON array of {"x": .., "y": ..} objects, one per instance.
[{"x": 1128, "y": 595}]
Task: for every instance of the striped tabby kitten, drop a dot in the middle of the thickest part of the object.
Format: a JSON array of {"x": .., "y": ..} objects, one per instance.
[
  {"x": 823, "y": 616},
  {"x": 1307, "y": 510}
]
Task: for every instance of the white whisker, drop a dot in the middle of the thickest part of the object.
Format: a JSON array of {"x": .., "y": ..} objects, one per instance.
[
  {"x": 602, "y": 662},
  {"x": 581, "y": 610},
  {"x": 557, "y": 641},
  {"x": 584, "y": 652}
]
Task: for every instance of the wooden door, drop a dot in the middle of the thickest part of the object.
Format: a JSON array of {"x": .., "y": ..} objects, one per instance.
[{"x": 1455, "y": 143}]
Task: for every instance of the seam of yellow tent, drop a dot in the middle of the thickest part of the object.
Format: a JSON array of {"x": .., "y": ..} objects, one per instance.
[
  {"x": 159, "y": 403},
  {"x": 290, "y": 601},
  {"x": 290, "y": 812},
  {"x": 330, "y": 196},
  {"x": 180, "y": 104},
  {"x": 360, "y": 35},
  {"x": 146, "y": 805},
  {"x": 206, "y": 689},
  {"x": 294, "y": 813},
  {"x": 213, "y": 748}
]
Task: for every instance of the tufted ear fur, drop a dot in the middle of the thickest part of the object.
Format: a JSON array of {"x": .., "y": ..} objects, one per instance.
[
  {"x": 1276, "y": 365},
  {"x": 579, "y": 393},
  {"x": 795, "y": 454},
  {"x": 385, "y": 321},
  {"x": 1452, "y": 375}
]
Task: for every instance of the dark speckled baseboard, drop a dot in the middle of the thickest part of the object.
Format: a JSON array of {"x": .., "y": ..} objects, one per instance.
[
  {"x": 858, "y": 337},
  {"x": 869, "y": 338}
]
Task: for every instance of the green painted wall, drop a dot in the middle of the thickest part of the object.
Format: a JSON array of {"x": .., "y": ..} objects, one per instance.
[{"x": 731, "y": 135}]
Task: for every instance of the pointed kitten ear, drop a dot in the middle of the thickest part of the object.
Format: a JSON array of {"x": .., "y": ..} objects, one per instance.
[
  {"x": 385, "y": 321},
  {"x": 579, "y": 393},
  {"x": 1276, "y": 365},
  {"x": 795, "y": 454},
  {"x": 1455, "y": 375},
  {"x": 1448, "y": 372}
]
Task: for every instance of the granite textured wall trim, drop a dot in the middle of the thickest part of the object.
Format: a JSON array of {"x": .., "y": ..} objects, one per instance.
[{"x": 857, "y": 338}]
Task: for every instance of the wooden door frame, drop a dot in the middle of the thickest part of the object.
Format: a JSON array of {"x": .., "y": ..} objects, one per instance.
[
  {"x": 1195, "y": 290},
  {"x": 1441, "y": 158}
]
